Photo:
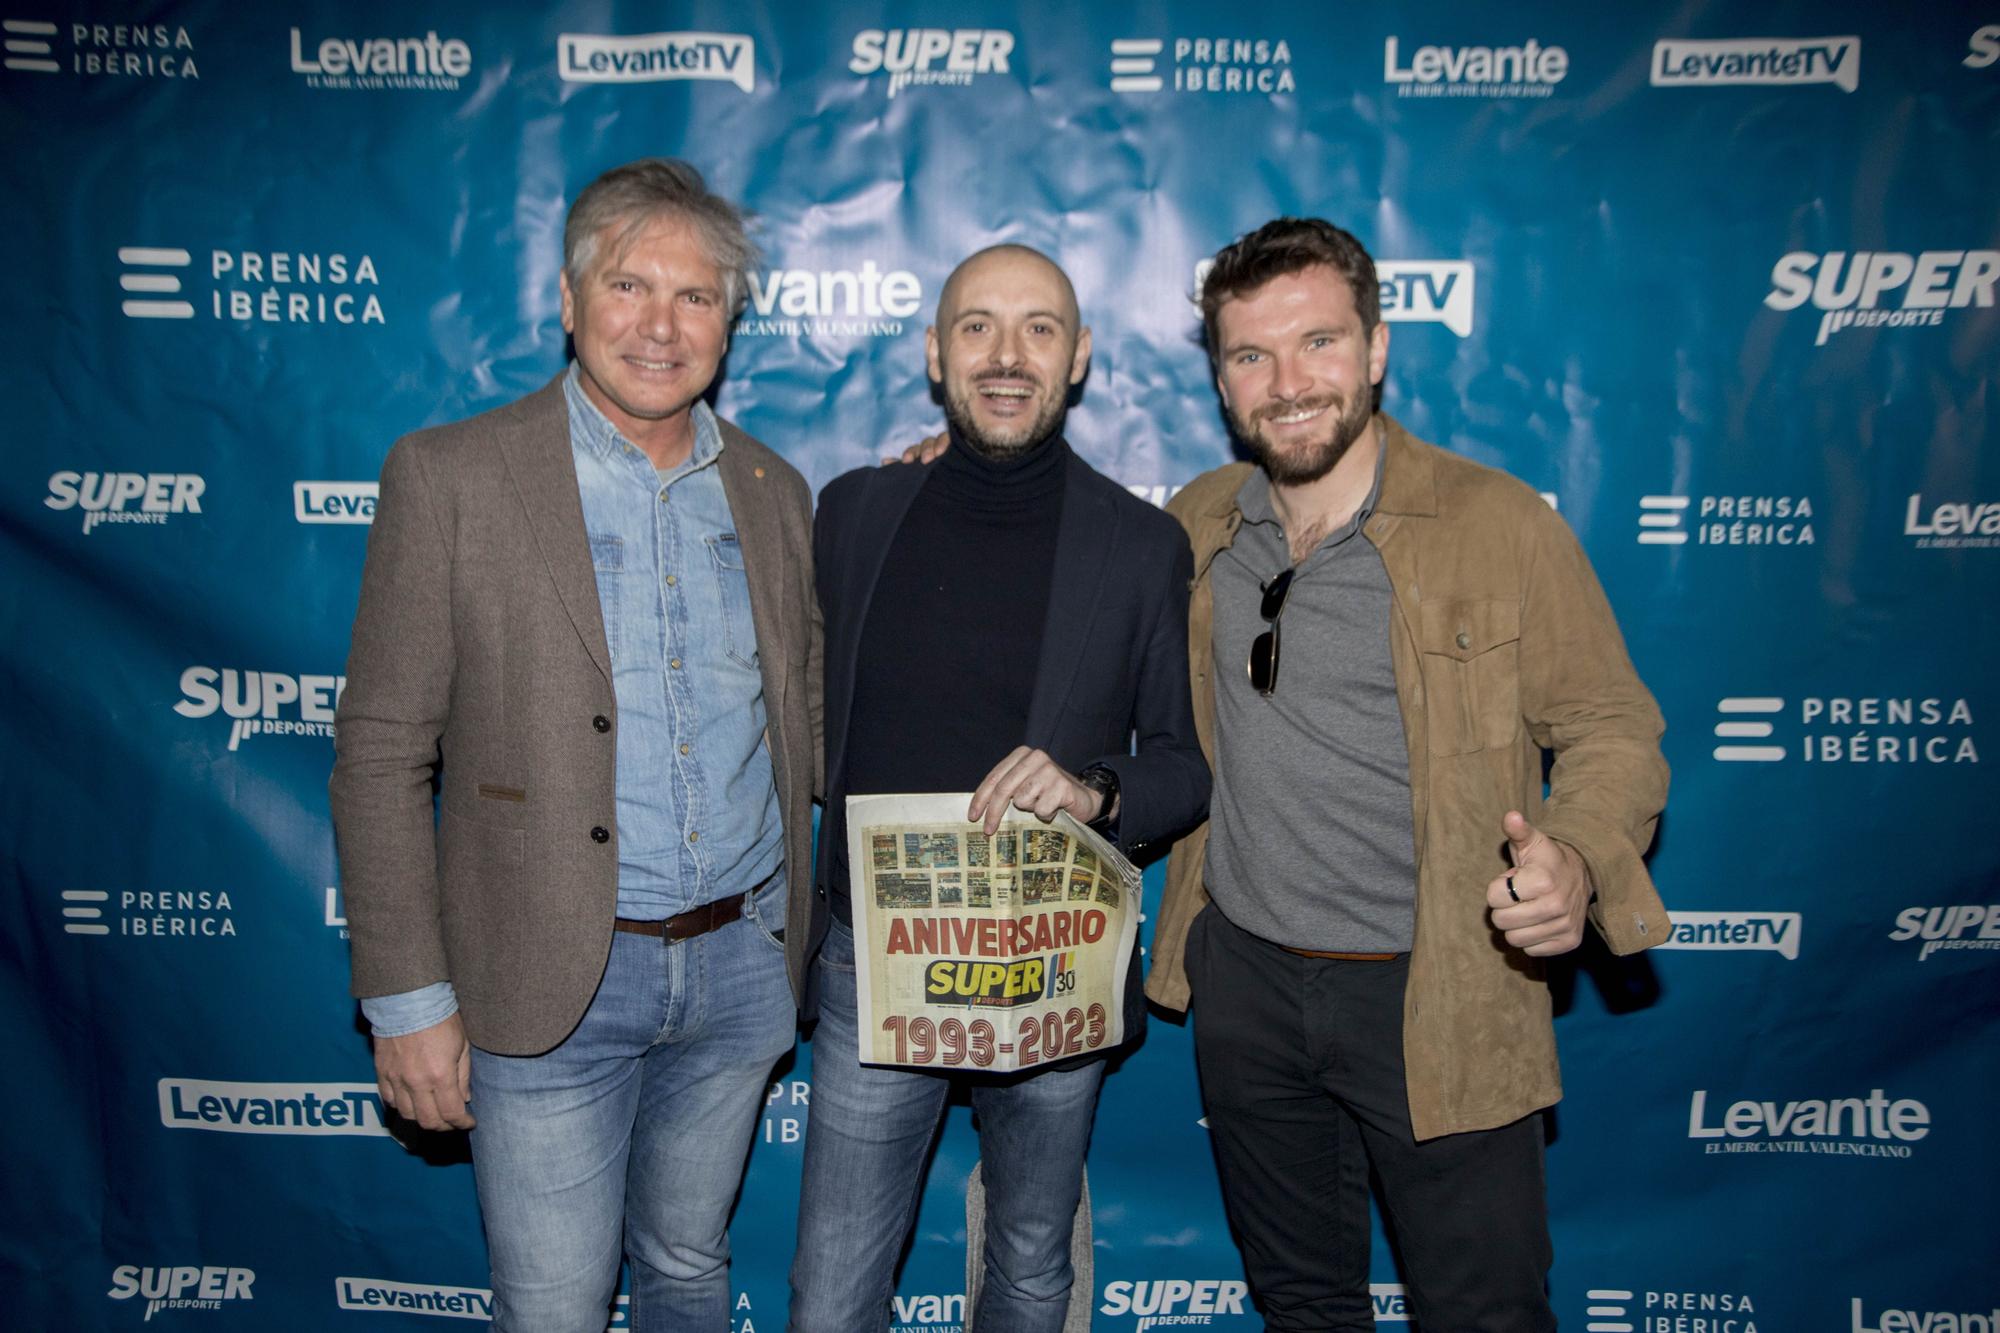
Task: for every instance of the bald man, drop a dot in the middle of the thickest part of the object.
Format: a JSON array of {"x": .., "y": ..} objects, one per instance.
[{"x": 1005, "y": 621}]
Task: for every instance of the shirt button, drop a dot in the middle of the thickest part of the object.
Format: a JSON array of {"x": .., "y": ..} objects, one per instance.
[
  {"x": 601, "y": 722},
  {"x": 671, "y": 580},
  {"x": 600, "y": 834},
  {"x": 684, "y": 749},
  {"x": 663, "y": 497},
  {"x": 1464, "y": 640},
  {"x": 694, "y": 837},
  {"x": 675, "y": 663}
]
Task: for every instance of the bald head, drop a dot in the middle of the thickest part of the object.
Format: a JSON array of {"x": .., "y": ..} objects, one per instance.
[
  {"x": 1011, "y": 265},
  {"x": 1006, "y": 349}
]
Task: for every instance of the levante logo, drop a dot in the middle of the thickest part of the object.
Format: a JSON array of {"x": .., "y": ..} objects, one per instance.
[
  {"x": 831, "y": 303},
  {"x": 374, "y": 63},
  {"x": 1527, "y": 70},
  {"x": 1871, "y": 1126}
]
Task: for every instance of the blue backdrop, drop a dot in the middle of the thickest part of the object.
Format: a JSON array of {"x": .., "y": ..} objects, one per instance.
[{"x": 1719, "y": 280}]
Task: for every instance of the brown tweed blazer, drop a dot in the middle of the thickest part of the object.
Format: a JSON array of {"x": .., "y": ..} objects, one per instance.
[{"x": 479, "y": 658}]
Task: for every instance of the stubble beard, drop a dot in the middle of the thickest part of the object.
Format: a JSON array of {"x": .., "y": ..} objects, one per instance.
[
  {"x": 1015, "y": 442},
  {"x": 1307, "y": 461}
]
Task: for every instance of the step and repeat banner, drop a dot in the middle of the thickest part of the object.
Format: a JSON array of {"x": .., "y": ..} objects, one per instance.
[{"x": 1717, "y": 279}]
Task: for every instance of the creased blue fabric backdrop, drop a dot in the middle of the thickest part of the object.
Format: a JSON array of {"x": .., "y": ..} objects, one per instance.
[{"x": 1718, "y": 279}]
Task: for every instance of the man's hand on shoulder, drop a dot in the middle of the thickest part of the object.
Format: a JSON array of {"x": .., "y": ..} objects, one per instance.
[
  {"x": 1542, "y": 903},
  {"x": 923, "y": 451},
  {"x": 1031, "y": 781},
  {"x": 427, "y": 1075}
]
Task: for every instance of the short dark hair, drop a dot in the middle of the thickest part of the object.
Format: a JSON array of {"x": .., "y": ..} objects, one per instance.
[
  {"x": 651, "y": 189},
  {"x": 1283, "y": 246}
]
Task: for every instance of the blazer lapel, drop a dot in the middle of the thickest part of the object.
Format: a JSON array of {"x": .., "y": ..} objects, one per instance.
[
  {"x": 876, "y": 522},
  {"x": 544, "y": 474},
  {"x": 1085, "y": 540}
]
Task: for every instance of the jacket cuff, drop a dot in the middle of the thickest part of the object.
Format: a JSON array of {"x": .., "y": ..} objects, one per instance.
[{"x": 1626, "y": 909}]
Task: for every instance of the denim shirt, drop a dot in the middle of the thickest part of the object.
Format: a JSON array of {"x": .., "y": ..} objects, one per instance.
[{"x": 697, "y": 805}]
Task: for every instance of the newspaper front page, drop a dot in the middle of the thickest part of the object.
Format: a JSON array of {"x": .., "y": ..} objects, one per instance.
[{"x": 985, "y": 953}]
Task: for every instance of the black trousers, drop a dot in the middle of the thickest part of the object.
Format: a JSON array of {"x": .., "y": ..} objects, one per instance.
[{"x": 1302, "y": 1077}]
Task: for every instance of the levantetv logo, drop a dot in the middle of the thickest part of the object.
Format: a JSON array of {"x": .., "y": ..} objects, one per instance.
[
  {"x": 382, "y": 1296},
  {"x": 1871, "y": 1126},
  {"x": 725, "y": 57},
  {"x": 1892, "y": 1320},
  {"x": 271, "y": 1108},
  {"x": 1527, "y": 70},
  {"x": 1411, "y": 291},
  {"x": 1679, "y": 63},
  {"x": 180, "y": 1286},
  {"x": 1775, "y": 932},
  {"x": 367, "y": 64},
  {"x": 1852, "y": 291}
]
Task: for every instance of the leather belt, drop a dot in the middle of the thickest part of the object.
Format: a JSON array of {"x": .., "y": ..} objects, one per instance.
[
  {"x": 687, "y": 925},
  {"x": 1343, "y": 957}
]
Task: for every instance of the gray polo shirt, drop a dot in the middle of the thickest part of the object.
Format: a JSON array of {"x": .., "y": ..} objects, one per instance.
[{"x": 1310, "y": 836}]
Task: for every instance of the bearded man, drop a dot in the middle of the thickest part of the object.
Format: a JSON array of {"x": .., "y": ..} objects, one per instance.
[{"x": 1385, "y": 638}]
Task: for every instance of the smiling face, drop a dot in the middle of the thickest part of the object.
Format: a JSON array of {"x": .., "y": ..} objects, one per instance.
[
  {"x": 650, "y": 324},
  {"x": 1006, "y": 347},
  {"x": 1297, "y": 373}
]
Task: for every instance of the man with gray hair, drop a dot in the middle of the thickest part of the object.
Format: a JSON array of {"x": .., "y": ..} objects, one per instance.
[{"x": 587, "y": 631}]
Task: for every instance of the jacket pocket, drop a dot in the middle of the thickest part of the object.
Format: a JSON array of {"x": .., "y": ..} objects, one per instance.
[{"x": 1472, "y": 672}]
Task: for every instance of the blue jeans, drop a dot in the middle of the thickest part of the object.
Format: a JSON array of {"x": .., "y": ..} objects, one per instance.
[
  {"x": 866, "y": 1139},
  {"x": 631, "y": 1136}
]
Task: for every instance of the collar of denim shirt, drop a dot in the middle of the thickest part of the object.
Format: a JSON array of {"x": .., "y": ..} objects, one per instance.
[{"x": 592, "y": 431}]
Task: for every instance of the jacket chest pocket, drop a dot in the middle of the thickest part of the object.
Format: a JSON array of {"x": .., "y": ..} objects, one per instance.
[
  {"x": 1472, "y": 672},
  {"x": 739, "y": 634}
]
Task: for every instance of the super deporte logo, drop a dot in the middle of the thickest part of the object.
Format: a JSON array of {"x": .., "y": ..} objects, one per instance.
[
  {"x": 1174, "y": 1302},
  {"x": 146, "y": 498},
  {"x": 931, "y": 57},
  {"x": 1953, "y": 929},
  {"x": 1871, "y": 289},
  {"x": 261, "y": 703},
  {"x": 180, "y": 1286}
]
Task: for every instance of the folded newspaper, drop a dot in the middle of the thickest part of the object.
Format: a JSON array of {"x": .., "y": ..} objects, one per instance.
[{"x": 988, "y": 953}]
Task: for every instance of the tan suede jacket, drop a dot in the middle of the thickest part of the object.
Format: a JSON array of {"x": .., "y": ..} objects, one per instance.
[{"x": 1503, "y": 646}]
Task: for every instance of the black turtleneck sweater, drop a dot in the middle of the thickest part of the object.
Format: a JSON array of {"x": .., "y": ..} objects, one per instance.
[{"x": 950, "y": 650}]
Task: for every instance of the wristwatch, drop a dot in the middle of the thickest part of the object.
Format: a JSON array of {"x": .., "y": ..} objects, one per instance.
[{"x": 1103, "y": 781}]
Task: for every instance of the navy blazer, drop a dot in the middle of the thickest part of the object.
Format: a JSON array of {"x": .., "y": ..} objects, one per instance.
[{"x": 1113, "y": 665}]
